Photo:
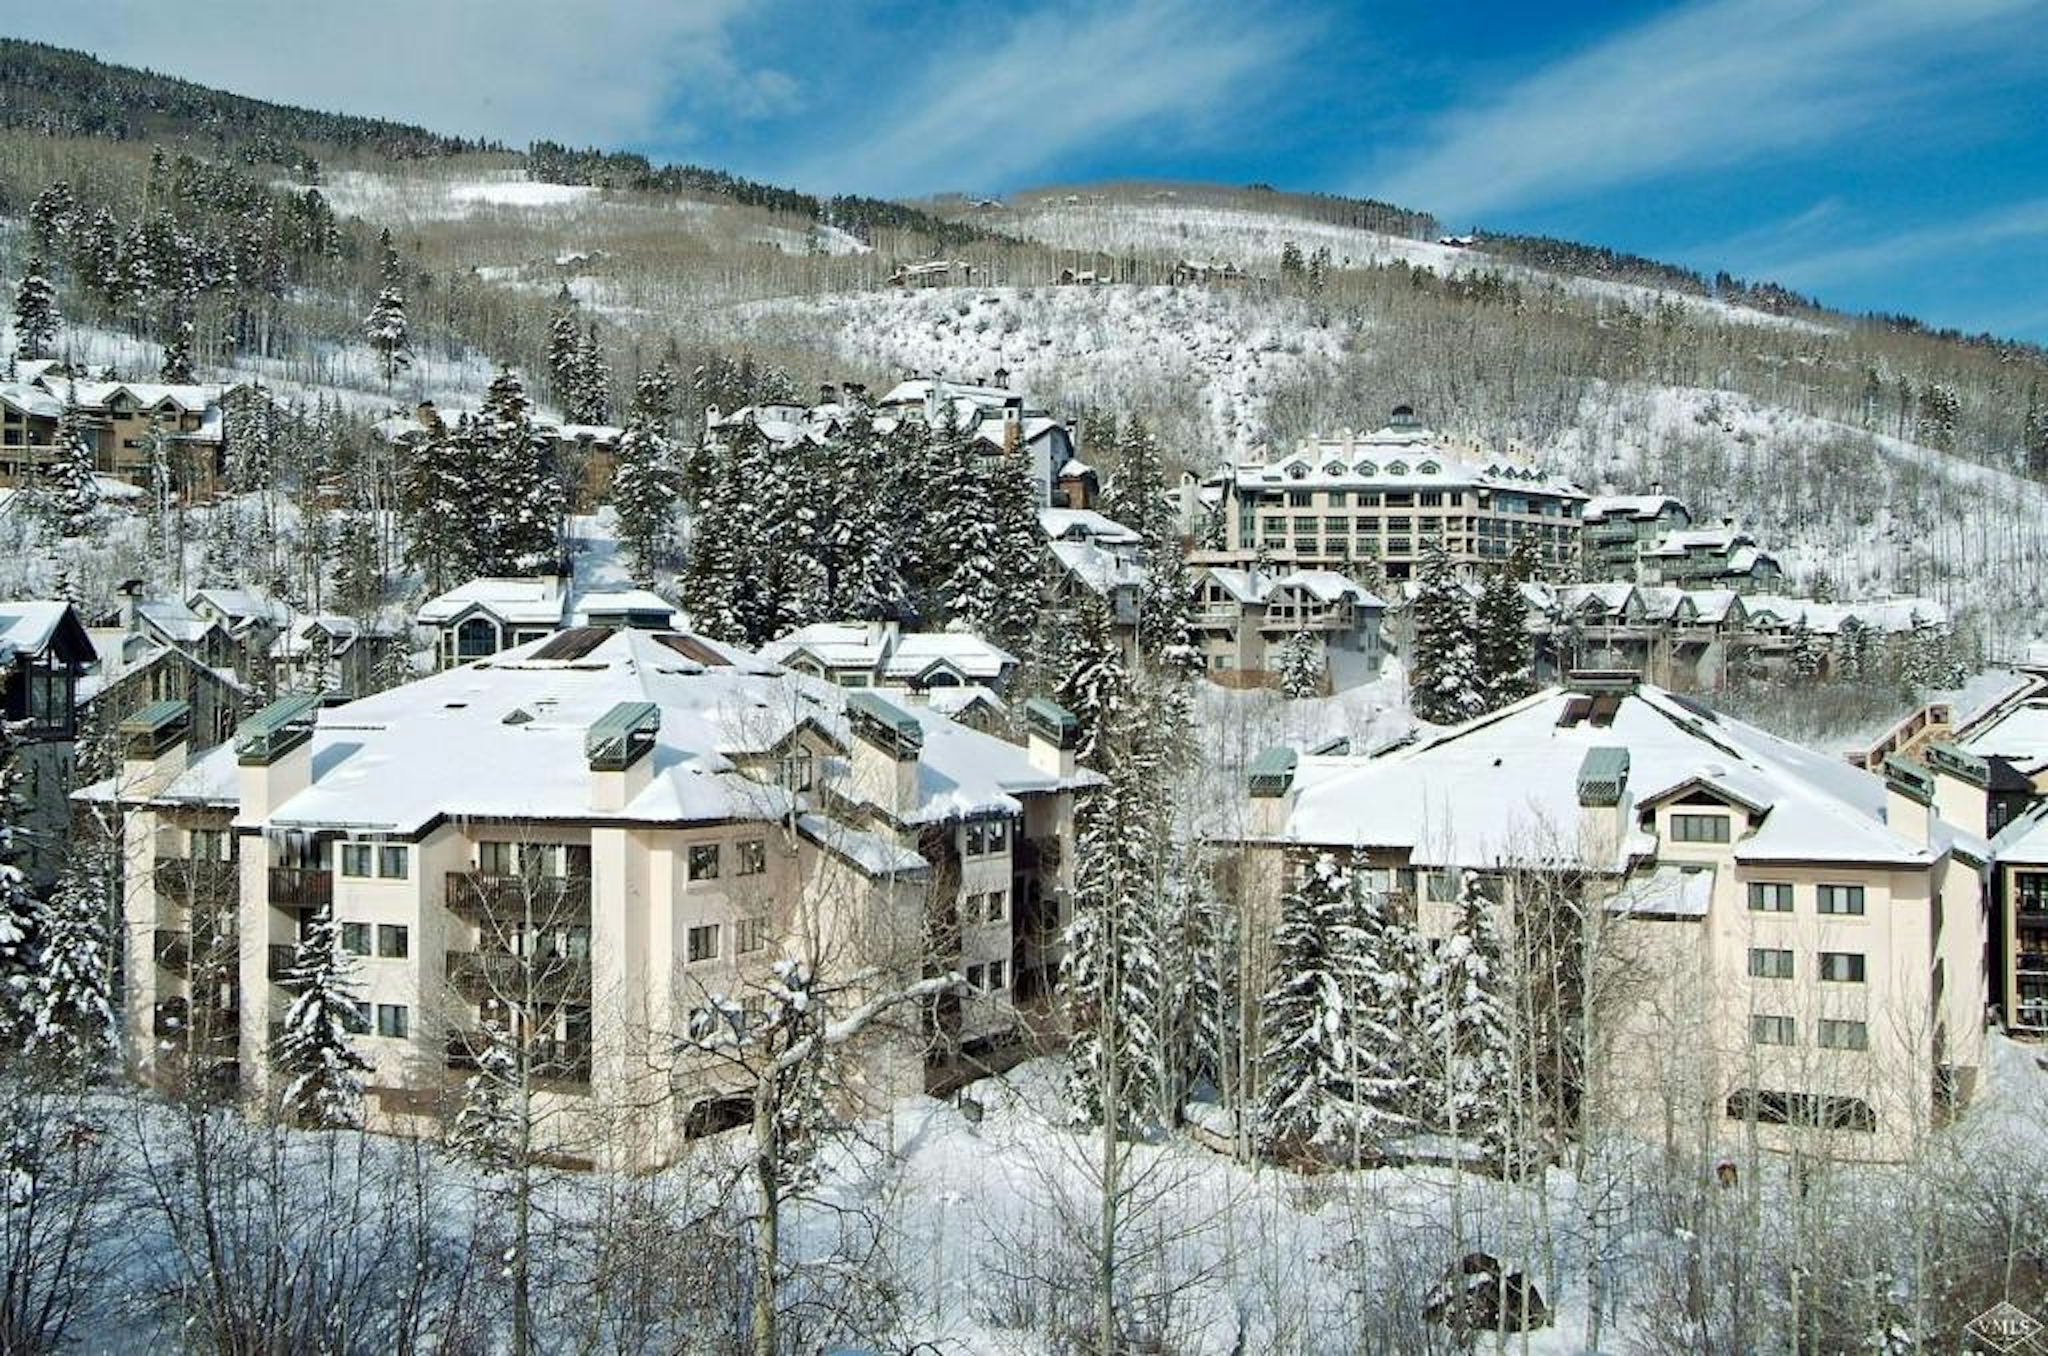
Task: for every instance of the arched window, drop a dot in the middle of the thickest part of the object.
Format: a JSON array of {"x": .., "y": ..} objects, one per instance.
[
  {"x": 1296, "y": 470},
  {"x": 1366, "y": 468},
  {"x": 476, "y": 638},
  {"x": 1335, "y": 468},
  {"x": 1428, "y": 468},
  {"x": 1397, "y": 468}
]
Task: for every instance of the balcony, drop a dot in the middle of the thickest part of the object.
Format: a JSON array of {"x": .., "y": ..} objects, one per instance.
[
  {"x": 556, "y": 901},
  {"x": 173, "y": 950},
  {"x": 183, "y": 880},
  {"x": 487, "y": 974},
  {"x": 297, "y": 887},
  {"x": 549, "y": 1059},
  {"x": 2031, "y": 963},
  {"x": 1032, "y": 855},
  {"x": 283, "y": 958}
]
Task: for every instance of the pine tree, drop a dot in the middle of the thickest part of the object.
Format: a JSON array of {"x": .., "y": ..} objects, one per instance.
[
  {"x": 1502, "y": 648},
  {"x": 647, "y": 483},
  {"x": 1017, "y": 545},
  {"x": 1462, "y": 1037},
  {"x": 385, "y": 328},
  {"x": 1135, "y": 492},
  {"x": 442, "y": 505},
  {"x": 1444, "y": 682},
  {"x": 1329, "y": 1071},
  {"x": 591, "y": 399},
  {"x": 1096, "y": 686},
  {"x": 1853, "y": 650},
  {"x": 17, "y": 909},
  {"x": 1808, "y": 655},
  {"x": 70, "y": 489},
  {"x": 565, "y": 351},
  {"x": 1166, "y": 616},
  {"x": 325, "y": 1070},
  {"x": 488, "y": 1126},
  {"x": 1301, "y": 665},
  {"x": 52, "y": 216},
  {"x": 176, "y": 367},
  {"x": 35, "y": 314},
  {"x": 72, "y": 1022},
  {"x": 522, "y": 511}
]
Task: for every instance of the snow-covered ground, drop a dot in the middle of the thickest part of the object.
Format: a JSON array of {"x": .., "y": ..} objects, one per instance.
[
  {"x": 1222, "y": 352},
  {"x": 397, "y": 199}
]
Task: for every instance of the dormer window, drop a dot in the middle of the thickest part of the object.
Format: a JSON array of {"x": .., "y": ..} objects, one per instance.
[
  {"x": 1366, "y": 468},
  {"x": 1296, "y": 470},
  {"x": 1397, "y": 468},
  {"x": 1428, "y": 468},
  {"x": 1335, "y": 468}
]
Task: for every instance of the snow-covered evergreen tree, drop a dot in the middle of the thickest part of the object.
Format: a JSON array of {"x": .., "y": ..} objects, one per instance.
[
  {"x": 1854, "y": 658},
  {"x": 52, "y": 216},
  {"x": 525, "y": 498},
  {"x": 324, "y": 1069},
  {"x": 1462, "y": 1036},
  {"x": 1444, "y": 682},
  {"x": 565, "y": 350},
  {"x": 1330, "y": 1066},
  {"x": 1017, "y": 544},
  {"x": 1135, "y": 491},
  {"x": 70, "y": 996},
  {"x": 442, "y": 505},
  {"x": 1166, "y": 613},
  {"x": 70, "y": 491},
  {"x": 647, "y": 482},
  {"x": 385, "y": 328},
  {"x": 1808, "y": 654},
  {"x": 1301, "y": 665},
  {"x": 591, "y": 400},
  {"x": 1502, "y": 647},
  {"x": 1096, "y": 685},
  {"x": 35, "y": 314},
  {"x": 489, "y": 1125},
  {"x": 17, "y": 908},
  {"x": 176, "y": 367}
]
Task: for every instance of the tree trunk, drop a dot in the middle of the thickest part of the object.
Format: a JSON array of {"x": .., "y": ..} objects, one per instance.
[{"x": 767, "y": 1218}]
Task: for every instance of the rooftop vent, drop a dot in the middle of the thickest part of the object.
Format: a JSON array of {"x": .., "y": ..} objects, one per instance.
[
  {"x": 622, "y": 736},
  {"x": 885, "y": 725},
  {"x": 1052, "y": 722},
  {"x": 1603, "y": 776},
  {"x": 149, "y": 731},
  {"x": 1909, "y": 779},
  {"x": 276, "y": 730},
  {"x": 1272, "y": 772},
  {"x": 1965, "y": 767}
]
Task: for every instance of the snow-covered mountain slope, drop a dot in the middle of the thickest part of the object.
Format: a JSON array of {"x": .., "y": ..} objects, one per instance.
[{"x": 1214, "y": 355}]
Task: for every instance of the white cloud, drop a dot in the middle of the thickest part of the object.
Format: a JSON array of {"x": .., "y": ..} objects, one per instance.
[
  {"x": 1818, "y": 267},
  {"x": 601, "y": 72},
  {"x": 1717, "y": 84},
  {"x": 983, "y": 112}
]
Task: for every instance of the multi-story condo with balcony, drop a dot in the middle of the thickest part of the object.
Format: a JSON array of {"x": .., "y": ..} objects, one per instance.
[
  {"x": 574, "y": 845},
  {"x": 1619, "y": 527},
  {"x": 1795, "y": 946},
  {"x": 44, "y": 651},
  {"x": 1244, "y": 618},
  {"x": 1376, "y": 501}
]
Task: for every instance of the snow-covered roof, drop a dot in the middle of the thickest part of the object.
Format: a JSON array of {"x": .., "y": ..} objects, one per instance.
[
  {"x": 27, "y": 628},
  {"x": 189, "y": 398},
  {"x": 173, "y": 620},
  {"x": 1642, "y": 507},
  {"x": 1666, "y": 892},
  {"x": 1505, "y": 788},
  {"x": 1887, "y": 615},
  {"x": 2019, "y": 735},
  {"x": 536, "y": 601},
  {"x": 1713, "y": 606},
  {"x": 504, "y": 738},
  {"x": 1259, "y": 586},
  {"x": 1395, "y": 457},
  {"x": 23, "y": 398},
  {"x": 1070, "y": 524},
  {"x": 1611, "y": 599},
  {"x": 892, "y": 654},
  {"x": 1698, "y": 540},
  {"x": 241, "y": 606},
  {"x": 602, "y": 605},
  {"x": 1102, "y": 570}
]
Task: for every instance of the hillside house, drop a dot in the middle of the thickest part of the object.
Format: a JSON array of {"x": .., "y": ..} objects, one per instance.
[
  {"x": 1617, "y": 529},
  {"x": 882, "y": 655},
  {"x": 1811, "y": 936},
  {"x": 132, "y": 670},
  {"x": 1714, "y": 557},
  {"x": 576, "y": 843},
  {"x": 1375, "y": 502},
  {"x": 44, "y": 653},
  {"x": 1245, "y": 617},
  {"x": 585, "y": 455},
  {"x": 477, "y": 619}
]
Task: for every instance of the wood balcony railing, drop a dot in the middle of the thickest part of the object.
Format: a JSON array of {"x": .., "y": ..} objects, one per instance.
[
  {"x": 181, "y": 879},
  {"x": 297, "y": 887},
  {"x": 500, "y": 974},
  {"x": 284, "y": 958},
  {"x": 556, "y": 901}
]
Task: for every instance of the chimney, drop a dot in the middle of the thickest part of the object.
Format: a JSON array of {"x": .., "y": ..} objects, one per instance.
[
  {"x": 1603, "y": 801},
  {"x": 155, "y": 742},
  {"x": 1051, "y": 735},
  {"x": 130, "y": 591},
  {"x": 1909, "y": 792},
  {"x": 887, "y": 742},
  {"x": 1002, "y": 379},
  {"x": 616, "y": 748},
  {"x": 1270, "y": 782},
  {"x": 1962, "y": 786},
  {"x": 828, "y": 394},
  {"x": 274, "y": 751}
]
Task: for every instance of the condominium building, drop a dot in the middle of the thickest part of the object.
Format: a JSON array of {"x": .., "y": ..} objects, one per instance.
[
  {"x": 1244, "y": 618},
  {"x": 1790, "y": 946},
  {"x": 1619, "y": 527},
  {"x": 575, "y": 845},
  {"x": 1377, "y": 500}
]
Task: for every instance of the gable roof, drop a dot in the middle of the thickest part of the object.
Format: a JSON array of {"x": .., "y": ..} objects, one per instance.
[{"x": 36, "y": 628}]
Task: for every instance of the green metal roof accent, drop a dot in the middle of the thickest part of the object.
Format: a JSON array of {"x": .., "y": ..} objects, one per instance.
[
  {"x": 1337, "y": 746},
  {"x": 1909, "y": 779},
  {"x": 1272, "y": 772},
  {"x": 1968, "y": 767},
  {"x": 276, "y": 730},
  {"x": 155, "y": 727},
  {"x": 885, "y": 724},
  {"x": 1053, "y": 722},
  {"x": 622, "y": 736},
  {"x": 1603, "y": 775}
]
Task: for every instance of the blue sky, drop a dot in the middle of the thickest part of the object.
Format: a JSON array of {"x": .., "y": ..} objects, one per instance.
[{"x": 1882, "y": 154}]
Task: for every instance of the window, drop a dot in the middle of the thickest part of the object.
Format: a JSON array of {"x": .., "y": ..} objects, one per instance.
[
  {"x": 393, "y": 1019},
  {"x": 702, "y": 943},
  {"x": 394, "y": 941},
  {"x": 1769, "y": 963},
  {"x": 750, "y": 935},
  {"x": 1770, "y": 896},
  {"x": 975, "y": 974},
  {"x": 1801, "y": 1108},
  {"x": 996, "y": 977},
  {"x": 975, "y": 836},
  {"x": 1338, "y": 497},
  {"x": 1839, "y": 1035},
  {"x": 210, "y": 845},
  {"x": 475, "y": 638},
  {"x": 391, "y": 862},
  {"x": 1300, "y": 499},
  {"x": 1768, "y": 1030},
  {"x": 355, "y": 1017},
  {"x": 998, "y": 906},
  {"x": 355, "y": 938},
  {"x": 1842, "y": 967},
  {"x": 753, "y": 856},
  {"x": 998, "y": 835},
  {"x": 1841, "y": 899},
  {"x": 1699, "y": 828},
  {"x": 495, "y": 859},
  {"x": 355, "y": 859},
  {"x": 704, "y": 861},
  {"x": 793, "y": 771}
]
